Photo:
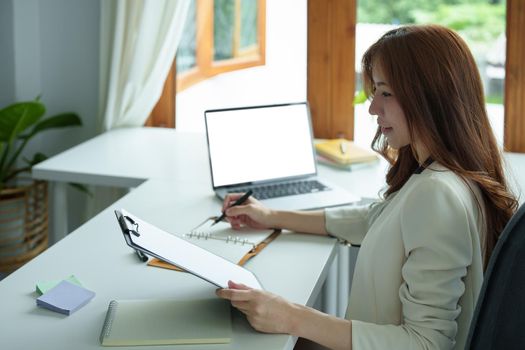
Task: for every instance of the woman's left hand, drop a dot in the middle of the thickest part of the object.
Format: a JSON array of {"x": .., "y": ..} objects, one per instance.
[{"x": 265, "y": 311}]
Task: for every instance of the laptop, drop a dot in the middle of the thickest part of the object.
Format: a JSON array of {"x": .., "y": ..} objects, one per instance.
[{"x": 269, "y": 149}]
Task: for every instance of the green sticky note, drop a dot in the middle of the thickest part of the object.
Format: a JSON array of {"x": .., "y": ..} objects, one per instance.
[{"x": 44, "y": 286}]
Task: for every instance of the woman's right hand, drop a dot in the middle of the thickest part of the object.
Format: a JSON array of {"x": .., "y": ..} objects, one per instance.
[{"x": 252, "y": 213}]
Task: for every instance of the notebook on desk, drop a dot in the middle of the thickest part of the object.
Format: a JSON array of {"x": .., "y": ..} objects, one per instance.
[
  {"x": 236, "y": 246},
  {"x": 269, "y": 149},
  {"x": 165, "y": 322}
]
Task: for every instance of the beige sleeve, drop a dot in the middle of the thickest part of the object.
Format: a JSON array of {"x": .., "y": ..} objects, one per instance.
[
  {"x": 348, "y": 223},
  {"x": 438, "y": 249}
]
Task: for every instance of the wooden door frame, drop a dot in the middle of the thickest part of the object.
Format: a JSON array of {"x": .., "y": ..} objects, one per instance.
[
  {"x": 514, "y": 129},
  {"x": 330, "y": 67}
]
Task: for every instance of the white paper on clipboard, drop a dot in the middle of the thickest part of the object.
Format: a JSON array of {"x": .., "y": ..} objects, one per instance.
[{"x": 181, "y": 253}]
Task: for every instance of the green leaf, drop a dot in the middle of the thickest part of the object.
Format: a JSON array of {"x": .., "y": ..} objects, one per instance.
[
  {"x": 360, "y": 97},
  {"x": 16, "y": 118},
  {"x": 37, "y": 158},
  {"x": 58, "y": 121}
]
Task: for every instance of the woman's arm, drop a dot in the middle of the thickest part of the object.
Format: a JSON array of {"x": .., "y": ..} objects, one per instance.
[
  {"x": 270, "y": 313},
  {"x": 348, "y": 223},
  {"x": 301, "y": 221},
  {"x": 254, "y": 214}
]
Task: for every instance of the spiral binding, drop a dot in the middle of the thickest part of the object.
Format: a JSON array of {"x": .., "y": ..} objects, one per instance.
[
  {"x": 108, "y": 322},
  {"x": 228, "y": 239},
  {"x": 199, "y": 234}
]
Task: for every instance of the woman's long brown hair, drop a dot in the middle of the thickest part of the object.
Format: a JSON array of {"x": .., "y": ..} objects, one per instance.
[{"x": 435, "y": 80}]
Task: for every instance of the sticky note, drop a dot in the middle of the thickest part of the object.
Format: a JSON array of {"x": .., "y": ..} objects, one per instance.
[
  {"x": 44, "y": 286},
  {"x": 65, "y": 298}
]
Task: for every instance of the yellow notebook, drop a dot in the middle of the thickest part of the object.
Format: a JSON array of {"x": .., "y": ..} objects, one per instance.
[
  {"x": 344, "y": 152},
  {"x": 164, "y": 322}
]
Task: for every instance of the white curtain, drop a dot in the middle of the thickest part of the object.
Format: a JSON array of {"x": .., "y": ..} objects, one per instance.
[
  {"x": 136, "y": 56},
  {"x": 138, "y": 41}
]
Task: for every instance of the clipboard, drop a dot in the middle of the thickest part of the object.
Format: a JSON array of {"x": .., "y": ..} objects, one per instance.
[
  {"x": 236, "y": 246},
  {"x": 151, "y": 240}
]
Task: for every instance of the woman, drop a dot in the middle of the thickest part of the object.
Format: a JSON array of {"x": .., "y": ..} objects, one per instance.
[{"x": 423, "y": 248}]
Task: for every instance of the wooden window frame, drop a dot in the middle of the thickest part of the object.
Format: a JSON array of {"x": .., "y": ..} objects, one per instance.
[
  {"x": 206, "y": 66},
  {"x": 330, "y": 67},
  {"x": 514, "y": 129},
  {"x": 164, "y": 112},
  {"x": 331, "y": 76}
]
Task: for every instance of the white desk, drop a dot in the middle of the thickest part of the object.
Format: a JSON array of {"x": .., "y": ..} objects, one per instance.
[
  {"x": 128, "y": 157},
  {"x": 124, "y": 158},
  {"x": 293, "y": 266},
  {"x": 176, "y": 164},
  {"x": 177, "y": 195}
]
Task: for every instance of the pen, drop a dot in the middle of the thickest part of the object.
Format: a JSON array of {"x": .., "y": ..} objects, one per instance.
[
  {"x": 237, "y": 202},
  {"x": 342, "y": 146}
]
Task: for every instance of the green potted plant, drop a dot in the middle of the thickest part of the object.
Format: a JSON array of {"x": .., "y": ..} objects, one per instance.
[
  {"x": 19, "y": 123},
  {"x": 23, "y": 202}
]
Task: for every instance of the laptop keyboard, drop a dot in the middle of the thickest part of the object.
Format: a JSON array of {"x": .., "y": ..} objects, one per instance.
[{"x": 284, "y": 189}]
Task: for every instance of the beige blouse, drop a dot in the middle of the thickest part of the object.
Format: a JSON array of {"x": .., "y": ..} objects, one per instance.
[{"x": 419, "y": 268}]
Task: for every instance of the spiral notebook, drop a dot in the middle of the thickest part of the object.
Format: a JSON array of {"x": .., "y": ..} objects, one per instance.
[
  {"x": 164, "y": 322},
  {"x": 232, "y": 245},
  {"x": 237, "y": 246}
]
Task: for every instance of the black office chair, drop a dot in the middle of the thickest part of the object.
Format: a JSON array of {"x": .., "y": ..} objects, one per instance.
[{"x": 499, "y": 318}]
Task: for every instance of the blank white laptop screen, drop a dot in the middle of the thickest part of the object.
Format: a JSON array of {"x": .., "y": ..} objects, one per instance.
[{"x": 257, "y": 144}]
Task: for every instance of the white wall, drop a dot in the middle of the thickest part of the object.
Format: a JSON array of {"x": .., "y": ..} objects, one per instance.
[
  {"x": 6, "y": 57},
  {"x": 281, "y": 79},
  {"x": 51, "y": 48}
]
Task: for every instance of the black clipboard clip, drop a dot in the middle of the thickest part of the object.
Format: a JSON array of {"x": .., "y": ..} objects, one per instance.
[{"x": 123, "y": 221}]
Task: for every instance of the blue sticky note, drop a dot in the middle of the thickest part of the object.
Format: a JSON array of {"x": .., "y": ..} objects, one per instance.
[{"x": 65, "y": 298}]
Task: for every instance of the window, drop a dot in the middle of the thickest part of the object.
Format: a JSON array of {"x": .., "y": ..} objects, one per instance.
[
  {"x": 220, "y": 36},
  {"x": 331, "y": 30},
  {"x": 481, "y": 23}
]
